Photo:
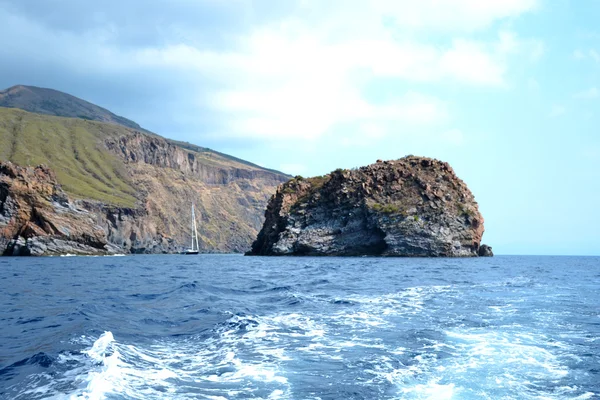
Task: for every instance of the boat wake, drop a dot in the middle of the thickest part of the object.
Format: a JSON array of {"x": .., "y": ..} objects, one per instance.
[
  {"x": 321, "y": 329},
  {"x": 360, "y": 350}
]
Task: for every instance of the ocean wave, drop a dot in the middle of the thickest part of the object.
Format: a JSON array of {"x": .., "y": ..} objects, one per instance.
[{"x": 191, "y": 331}]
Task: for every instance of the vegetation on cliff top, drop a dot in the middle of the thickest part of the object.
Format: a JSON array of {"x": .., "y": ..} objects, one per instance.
[
  {"x": 53, "y": 102},
  {"x": 75, "y": 149},
  {"x": 72, "y": 148}
]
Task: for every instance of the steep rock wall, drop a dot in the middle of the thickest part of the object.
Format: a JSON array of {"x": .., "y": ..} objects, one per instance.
[
  {"x": 153, "y": 150},
  {"x": 414, "y": 206},
  {"x": 37, "y": 217}
]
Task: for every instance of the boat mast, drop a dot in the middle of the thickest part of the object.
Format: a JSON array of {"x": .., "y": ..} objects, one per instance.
[{"x": 194, "y": 230}]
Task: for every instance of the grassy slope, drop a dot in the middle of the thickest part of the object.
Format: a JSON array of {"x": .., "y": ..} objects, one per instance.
[
  {"x": 229, "y": 215},
  {"x": 72, "y": 148},
  {"x": 53, "y": 102}
]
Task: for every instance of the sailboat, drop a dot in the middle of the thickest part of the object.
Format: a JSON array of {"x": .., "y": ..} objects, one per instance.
[{"x": 194, "y": 249}]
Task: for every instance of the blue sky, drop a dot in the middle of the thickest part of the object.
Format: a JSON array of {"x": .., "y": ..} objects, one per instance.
[{"x": 506, "y": 91}]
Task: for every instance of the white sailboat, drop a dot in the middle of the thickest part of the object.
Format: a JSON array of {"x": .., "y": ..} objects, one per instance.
[{"x": 194, "y": 249}]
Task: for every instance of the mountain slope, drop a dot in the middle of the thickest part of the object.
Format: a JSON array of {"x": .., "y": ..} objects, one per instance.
[
  {"x": 139, "y": 187},
  {"x": 73, "y": 148},
  {"x": 53, "y": 102}
]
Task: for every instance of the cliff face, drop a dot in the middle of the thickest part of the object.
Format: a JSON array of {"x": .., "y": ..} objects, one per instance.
[
  {"x": 37, "y": 217},
  {"x": 229, "y": 197},
  {"x": 156, "y": 151},
  {"x": 129, "y": 190},
  {"x": 409, "y": 207}
]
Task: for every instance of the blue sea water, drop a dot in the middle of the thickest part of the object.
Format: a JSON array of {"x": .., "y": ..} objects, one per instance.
[{"x": 234, "y": 327}]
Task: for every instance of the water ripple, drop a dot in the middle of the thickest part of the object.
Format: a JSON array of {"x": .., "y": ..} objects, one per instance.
[{"x": 228, "y": 327}]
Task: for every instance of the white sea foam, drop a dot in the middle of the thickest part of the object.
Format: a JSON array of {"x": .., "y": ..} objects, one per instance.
[
  {"x": 484, "y": 362},
  {"x": 216, "y": 368},
  {"x": 431, "y": 391},
  {"x": 259, "y": 356}
]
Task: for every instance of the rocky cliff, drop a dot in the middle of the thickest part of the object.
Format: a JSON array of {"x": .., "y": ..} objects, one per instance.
[
  {"x": 132, "y": 189},
  {"x": 230, "y": 198},
  {"x": 37, "y": 217},
  {"x": 414, "y": 206}
]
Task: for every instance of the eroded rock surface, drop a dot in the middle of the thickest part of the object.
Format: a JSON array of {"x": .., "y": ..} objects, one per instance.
[
  {"x": 37, "y": 218},
  {"x": 414, "y": 206},
  {"x": 485, "y": 251}
]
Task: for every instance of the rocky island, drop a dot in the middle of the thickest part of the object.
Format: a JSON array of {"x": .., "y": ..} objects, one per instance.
[{"x": 414, "y": 206}]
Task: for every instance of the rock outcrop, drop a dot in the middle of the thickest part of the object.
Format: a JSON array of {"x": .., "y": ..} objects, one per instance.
[
  {"x": 37, "y": 217},
  {"x": 154, "y": 150},
  {"x": 414, "y": 206},
  {"x": 485, "y": 251}
]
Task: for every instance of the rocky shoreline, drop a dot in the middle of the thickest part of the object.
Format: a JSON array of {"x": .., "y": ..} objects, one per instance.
[
  {"x": 38, "y": 218},
  {"x": 413, "y": 207}
]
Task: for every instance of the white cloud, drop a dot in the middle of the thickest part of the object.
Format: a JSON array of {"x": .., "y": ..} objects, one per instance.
[
  {"x": 304, "y": 74},
  {"x": 272, "y": 55},
  {"x": 289, "y": 81},
  {"x": 510, "y": 44},
  {"x": 469, "y": 62},
  {"x": 308, "y": 109},
  {"x": 591, "y": 93}
]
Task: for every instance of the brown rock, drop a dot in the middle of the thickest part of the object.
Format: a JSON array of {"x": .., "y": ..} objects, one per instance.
[
  {"x": 30, "y": 210},
  {"x": 374, "y": 212}
]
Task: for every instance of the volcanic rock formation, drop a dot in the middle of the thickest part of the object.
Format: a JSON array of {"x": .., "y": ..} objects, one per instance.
[
  {"x": 37, "y": 217},
  {"x": 414, "y": 206}
]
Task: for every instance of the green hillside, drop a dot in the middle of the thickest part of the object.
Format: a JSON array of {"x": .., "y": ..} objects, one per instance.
[
  {"x": 160, "y": 178},
  {"x": 53, "y": 102},
  {"x": 72, "y": 148}
]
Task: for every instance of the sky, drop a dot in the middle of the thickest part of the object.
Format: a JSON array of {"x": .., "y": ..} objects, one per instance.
[{"x": 506, "y": 91}]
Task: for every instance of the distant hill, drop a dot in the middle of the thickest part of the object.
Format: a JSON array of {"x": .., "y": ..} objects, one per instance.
[
  {"x": 139, "y": 186},
  {"x": 52, "y": 102}
]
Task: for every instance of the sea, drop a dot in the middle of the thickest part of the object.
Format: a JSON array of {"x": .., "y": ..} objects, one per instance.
[{"x": 235, "y": 327}]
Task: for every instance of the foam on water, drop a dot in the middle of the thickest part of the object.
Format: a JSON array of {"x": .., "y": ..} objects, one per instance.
[
  {"x": 251, "y": 356},
  {"x": 174, "y": 368},
  {"x": 414, "y": 342}
]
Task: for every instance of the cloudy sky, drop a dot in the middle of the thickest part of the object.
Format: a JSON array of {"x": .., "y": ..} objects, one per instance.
[{"x": 507, "y": 91}]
